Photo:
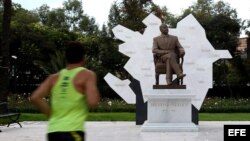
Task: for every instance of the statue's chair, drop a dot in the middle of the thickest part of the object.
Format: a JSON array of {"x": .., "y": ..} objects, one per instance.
[{"x": 160, "y": 68}]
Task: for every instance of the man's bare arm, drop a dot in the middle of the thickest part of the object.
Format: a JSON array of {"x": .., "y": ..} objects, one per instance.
[
  {"x": 92, "y": 93},
  {"x": 37, "y": 97}
]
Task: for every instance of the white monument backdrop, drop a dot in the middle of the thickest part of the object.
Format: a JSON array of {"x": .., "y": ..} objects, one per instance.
[{"x": 198, "y": 59}]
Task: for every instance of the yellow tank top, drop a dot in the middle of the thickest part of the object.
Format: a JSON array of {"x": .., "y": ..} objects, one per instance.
[{"x": 68, "y": 107}]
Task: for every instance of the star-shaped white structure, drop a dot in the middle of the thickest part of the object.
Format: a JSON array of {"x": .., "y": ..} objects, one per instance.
[{"x": 198, "y": 63}]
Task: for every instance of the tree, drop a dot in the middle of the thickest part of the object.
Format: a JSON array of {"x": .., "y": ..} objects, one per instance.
[
  {"x": 31, "y": 41},
  {"x": 222, "y": 29},
  {"x": 70, "y": 17},
  {"x": 164, "y": 15},
  {"x": 130, "y": 13},
  {"x": 4, "y": 51},
  {"x": 58, "y": 19},
  {"x": 43, "y": 12},
  {"x": 224, "y": 33},
  {"x": 88, "y": 26},
  {"x": 56, "y": 62},
  {"x": 22, "y": 18},
  {"x": 202, "y": 10},
  {"x": 216, "y": 18},
  {"x": 114, "y": 16},
  {"x": 73, "y": 12}
]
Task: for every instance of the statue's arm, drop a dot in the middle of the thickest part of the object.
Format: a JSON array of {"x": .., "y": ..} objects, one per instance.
[
  {"x": 156, "y": 49},
  {"x": 181, "y": 50}
]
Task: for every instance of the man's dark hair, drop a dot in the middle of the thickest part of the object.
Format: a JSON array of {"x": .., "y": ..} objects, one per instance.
[{"x": 74, "y": 52}]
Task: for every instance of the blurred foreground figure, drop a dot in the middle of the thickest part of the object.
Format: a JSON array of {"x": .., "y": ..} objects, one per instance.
[{"x": 72, "y": 90}]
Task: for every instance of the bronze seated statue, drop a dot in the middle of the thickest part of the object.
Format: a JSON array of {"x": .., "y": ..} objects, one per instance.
[{"x": 160, "y": 68}]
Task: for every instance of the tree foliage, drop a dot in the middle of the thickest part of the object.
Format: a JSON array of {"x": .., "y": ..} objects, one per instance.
[
  {"x": 222, "y": 29},
  {"x": 130, "y": 13},
  {"x": 70, "y": 17}
]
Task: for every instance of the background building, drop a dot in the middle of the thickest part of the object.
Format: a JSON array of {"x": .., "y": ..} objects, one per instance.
[{"x": 242, "y": 47}]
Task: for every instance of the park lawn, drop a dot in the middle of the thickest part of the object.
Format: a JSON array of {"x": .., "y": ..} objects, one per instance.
[
  {"x": 125, "y": 116},
  {"x": 224, "y": 116}
]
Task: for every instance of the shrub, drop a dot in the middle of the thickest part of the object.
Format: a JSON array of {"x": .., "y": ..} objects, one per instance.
[
  {"x": 210, "y": 105},
  {"x": 225, "y": 105}
]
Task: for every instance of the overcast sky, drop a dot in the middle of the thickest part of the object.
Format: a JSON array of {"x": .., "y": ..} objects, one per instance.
[{"x": 99, "y": 9}]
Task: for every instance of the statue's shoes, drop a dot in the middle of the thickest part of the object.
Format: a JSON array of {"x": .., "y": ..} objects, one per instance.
[
  {"x": 181, "y": 76},
  {"x": 169, "y": 82}
]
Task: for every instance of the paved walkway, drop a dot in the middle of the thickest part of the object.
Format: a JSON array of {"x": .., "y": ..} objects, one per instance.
[{"x": 118, "y": 131}]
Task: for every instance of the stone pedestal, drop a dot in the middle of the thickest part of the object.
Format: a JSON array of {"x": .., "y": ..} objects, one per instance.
[{"x": 169, "y": 112}]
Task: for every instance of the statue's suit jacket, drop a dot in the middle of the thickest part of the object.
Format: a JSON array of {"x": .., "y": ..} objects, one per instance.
[
  {"x": 166, "y": 42},
  {"x": 169, "y": 43}
]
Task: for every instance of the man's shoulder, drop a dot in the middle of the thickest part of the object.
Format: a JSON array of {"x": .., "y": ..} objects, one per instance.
[
  {"x": 157, "y": 37},
  {"x": 162, "y": 36},
  {"x": 53, "y": 76},
  {"x": 87, "y": 73},
  {"x": 172, "y": 36}
]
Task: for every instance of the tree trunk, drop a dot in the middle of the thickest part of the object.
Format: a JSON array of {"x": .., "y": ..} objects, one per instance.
[{"x": 4, "y": 51}]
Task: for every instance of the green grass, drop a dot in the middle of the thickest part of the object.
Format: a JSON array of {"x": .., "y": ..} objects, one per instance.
[
  {"x": 111, "y": 117},
  {"x": 224, "y": 116},
  {"x": 125, "y": 116},
  {"x": 32, "y": 117}
]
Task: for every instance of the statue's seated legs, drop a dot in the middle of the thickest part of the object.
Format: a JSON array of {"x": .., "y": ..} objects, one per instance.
[
  {"x": 169, "y": 74},
  {"x": 169, "y": 65},
  {"x": 172, "y": 66}
]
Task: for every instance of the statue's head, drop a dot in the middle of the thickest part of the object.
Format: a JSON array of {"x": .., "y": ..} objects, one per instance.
[{"x": 164, "y": 29}]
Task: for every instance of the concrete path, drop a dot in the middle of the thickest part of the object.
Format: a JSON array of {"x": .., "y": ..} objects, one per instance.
[{"x": 118, "y": 131}]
